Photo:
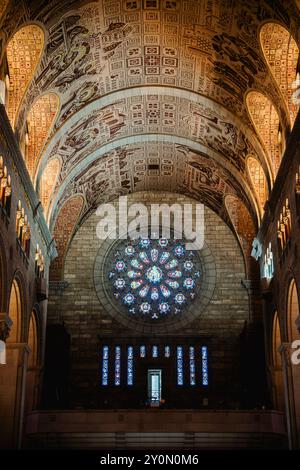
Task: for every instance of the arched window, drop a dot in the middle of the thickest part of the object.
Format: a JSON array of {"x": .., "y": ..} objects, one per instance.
[
  {"x": 281, "y": 53},
  {"x": 278, "y": 387},
  {"x": 15, "y": 313},
  {"x": 266, "y": 121},
  {"x": 292, "y": 312},
  {"x": 276, "y": 342},
  {"x": 23, "y": 54}
]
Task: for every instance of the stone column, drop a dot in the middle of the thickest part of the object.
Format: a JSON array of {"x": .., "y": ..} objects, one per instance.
[
  {"x": 12, "y": 394},
  {"x": 289, "y": 393},
  {"x": 33, "y": 382}
]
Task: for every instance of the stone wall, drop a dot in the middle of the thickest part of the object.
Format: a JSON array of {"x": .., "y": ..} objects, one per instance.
[{"x": 77, "y": 305}]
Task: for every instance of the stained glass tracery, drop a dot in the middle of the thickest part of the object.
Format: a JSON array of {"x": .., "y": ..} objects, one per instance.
[{"x": 154, "y": 278}]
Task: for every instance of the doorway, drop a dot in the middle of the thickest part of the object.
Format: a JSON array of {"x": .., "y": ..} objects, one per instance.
[{"x": 154, "y": 386}]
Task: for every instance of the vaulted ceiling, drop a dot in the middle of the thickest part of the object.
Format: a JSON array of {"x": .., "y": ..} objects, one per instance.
[{"x": 114, "y": 96}]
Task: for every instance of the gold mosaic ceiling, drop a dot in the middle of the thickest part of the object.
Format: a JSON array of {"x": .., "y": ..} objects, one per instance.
[{"x": 119, "y": 96}]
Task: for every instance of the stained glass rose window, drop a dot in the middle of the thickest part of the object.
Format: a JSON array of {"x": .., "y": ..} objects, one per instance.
[{"x": 154, "y": 278}]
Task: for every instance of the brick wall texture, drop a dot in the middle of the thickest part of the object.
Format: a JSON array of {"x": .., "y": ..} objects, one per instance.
[{"x": 84, "y": 317}]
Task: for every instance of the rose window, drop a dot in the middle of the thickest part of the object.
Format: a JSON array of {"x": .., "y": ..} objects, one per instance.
[{"x": 154, "y": 278}]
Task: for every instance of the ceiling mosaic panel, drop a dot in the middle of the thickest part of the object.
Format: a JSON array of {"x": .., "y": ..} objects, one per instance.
[
  {"x": 259, "y": 181},
  {"x": 153, "y": 167},
  {"x": 48, "y": 182},
  {"x": 153, "y": 113},
  {"x": 39, "y": 122},
  {"x": 23, "y": 53},
  {"x": 152, "y": 95},
  {"x": 266, "y": 121},
  {"x": 282, "y": 55}
]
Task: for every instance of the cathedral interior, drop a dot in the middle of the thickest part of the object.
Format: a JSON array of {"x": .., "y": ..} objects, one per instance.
[{"x": 130, "y": 343}]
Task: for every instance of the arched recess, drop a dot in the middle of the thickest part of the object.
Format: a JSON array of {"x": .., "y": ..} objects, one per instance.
[
  {"x": 48, "y": 182},
  {"x": 23, "y": 54},
  {"x": 3, "y": 277},
  {"x": 292, "y": 312},
  {"x": 244, "y": 226},
  {"x": 259, "y": 181},
  {"x": 63, "y": 230},
  {"x": 292, "y": 335},
  {"x": 40, "y": 120},
  {"x": 266, "y": 121},
  {"x": 278, "y": 386},
  {"x": 15, "y": 313},
  {"x": 32, "y": 379},
  {"x": 282, "y": 54}
]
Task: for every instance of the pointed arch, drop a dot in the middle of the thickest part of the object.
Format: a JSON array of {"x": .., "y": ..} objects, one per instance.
[
  {"x": 23, "y": 54},
  {"x": 276, "y": 342},
  {"x": 40, "y": 120},
  {"x": 32, "y": 341},
  {"x": 15, "y": 313},
  {"x": 32, "y": 379},
  {"x": 266, "y": 121},
  {"x": 282, "y": 54},
  {"x": 243, "y": 225},
  {"x": 278, "y": 385},
  {"x": 259, "y": 180},
  {"x": 292, "y": 312},
  {"x": 63, "y": 230},
  {"x": 48, "y": 182}
]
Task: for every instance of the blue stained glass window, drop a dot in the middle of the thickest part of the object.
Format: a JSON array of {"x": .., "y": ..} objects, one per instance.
[
  {"x": 167, "y": 351},
  {"x": 153, "y": 278},
  {"x": 179, "y": 357},
  {"x": 143, "y": 351},
  {"x": 192, "y": 365},
  {"x": 130, "y": 365},
  {"x": 154, "y": 351},
  {"x": 105, "y": 365},
  {"x": 204, "y": 365},
  {"x": 117, "y": 365}
]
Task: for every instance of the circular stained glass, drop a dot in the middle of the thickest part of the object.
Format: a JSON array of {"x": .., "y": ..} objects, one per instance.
[{"x": 154, "y": 279}]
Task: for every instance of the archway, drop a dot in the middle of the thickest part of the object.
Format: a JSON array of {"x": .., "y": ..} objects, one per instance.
[
  {"x": 292, "y": 312},
  {"x": 33, "y": 370},
  {"x": 278, "y": 387},
  {"x": 292, "y": 335},
  {"x": 13, "y": 373},
  {"x": 15, "y": 313}
]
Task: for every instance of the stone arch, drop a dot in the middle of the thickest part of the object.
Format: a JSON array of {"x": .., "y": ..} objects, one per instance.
[
  {"x": 14, "y": 373},
  {"x": 292, "y": 312},
  {"x": 278, "y": 385},
  {"x": 3, "y": 277},
  {"x": 25, "y": 47},
  {"x": 33, "y": 371},
  {"x": 15, "y": 312},
  {"x": 281, "y": 53}
]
